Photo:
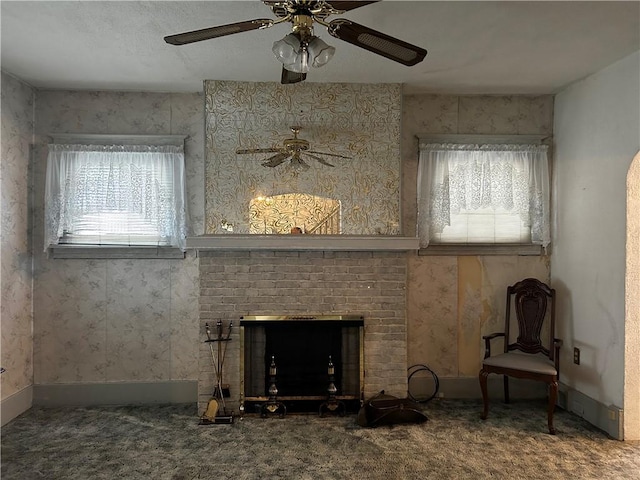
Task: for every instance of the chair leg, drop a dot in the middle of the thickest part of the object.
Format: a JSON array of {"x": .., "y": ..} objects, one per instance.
[
  {"x": 506, "y": 388},
  {"x": 553, "y": 395},
  {"x": 485, "y": 395}
]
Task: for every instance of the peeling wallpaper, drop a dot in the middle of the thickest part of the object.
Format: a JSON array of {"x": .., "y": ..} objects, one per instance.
[
  {"x": 15, "y": 276},
  {"x": 360, "y": 121},
  {"x": 453, "y": 301}
]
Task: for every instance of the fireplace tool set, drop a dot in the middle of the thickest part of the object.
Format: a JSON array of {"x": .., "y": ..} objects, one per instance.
[{"x": 216, "y": 412}]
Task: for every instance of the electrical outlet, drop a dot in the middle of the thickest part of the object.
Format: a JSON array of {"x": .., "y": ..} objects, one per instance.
[{"x": 576, "y": 355}]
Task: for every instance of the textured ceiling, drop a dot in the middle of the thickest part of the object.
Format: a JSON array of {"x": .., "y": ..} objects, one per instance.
[{"x": 474, "y": 47}]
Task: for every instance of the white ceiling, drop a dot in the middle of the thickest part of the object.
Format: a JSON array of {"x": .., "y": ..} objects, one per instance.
[{"x": 533, "y": 47}]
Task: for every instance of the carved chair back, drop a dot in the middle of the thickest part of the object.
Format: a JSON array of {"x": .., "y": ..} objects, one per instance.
[{"x": 532, "y": 299}]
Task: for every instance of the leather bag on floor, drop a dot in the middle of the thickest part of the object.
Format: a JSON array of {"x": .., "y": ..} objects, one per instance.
[{"x": 389, "y": 410}]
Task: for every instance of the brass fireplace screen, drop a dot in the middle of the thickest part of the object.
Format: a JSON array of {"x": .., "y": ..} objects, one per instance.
[{"x": 301, "y": 347}]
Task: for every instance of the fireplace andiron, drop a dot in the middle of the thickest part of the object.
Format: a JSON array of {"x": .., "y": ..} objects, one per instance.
[
  {"x": 273, "y": 405},
  {"x": 216, "y": 412},
  {"x": 332, "y": 404}
]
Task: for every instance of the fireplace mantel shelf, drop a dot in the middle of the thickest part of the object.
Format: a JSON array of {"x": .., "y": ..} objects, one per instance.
[{"x": 303, "y": 242}]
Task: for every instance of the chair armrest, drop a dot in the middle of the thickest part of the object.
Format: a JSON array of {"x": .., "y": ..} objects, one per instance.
[
  {"x": 487, "y": 342},
  {"x": 557, "y": 343}
]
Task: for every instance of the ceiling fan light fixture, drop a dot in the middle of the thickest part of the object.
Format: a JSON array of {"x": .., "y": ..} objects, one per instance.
[
  {"x": 299, "y": 55},
  {"x": 301, "y": 49}
]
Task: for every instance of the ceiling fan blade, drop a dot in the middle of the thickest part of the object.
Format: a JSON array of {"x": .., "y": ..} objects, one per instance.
[
  {"x": 321, "y": 160},
  {"x": 275, "y": 160},
  {"x": 327, "y": 154},
  {"x": 257, "y": 150},
  {"x": 376, "y": 42},
  {"x": 346, "y": 6},
  {"x": 220, "y": 31},
  {"x": 288, "y": 77}
]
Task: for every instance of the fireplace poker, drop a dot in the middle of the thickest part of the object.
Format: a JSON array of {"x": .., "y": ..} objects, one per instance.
[
  {"x": 209, "y": 416},
  {"x": 217, "y": 391},
  {"x": 224, "y": 352}
]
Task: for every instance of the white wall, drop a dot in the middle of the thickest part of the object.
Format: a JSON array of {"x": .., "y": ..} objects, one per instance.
[{"x": 597, "y": 131}]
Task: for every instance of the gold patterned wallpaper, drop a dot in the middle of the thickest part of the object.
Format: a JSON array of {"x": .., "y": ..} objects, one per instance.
[{"x": 361, "y": 121}]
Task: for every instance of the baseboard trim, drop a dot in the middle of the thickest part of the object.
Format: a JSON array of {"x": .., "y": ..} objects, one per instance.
[
  {"x": 608, "y": 418},
  {"x": 469, "y": 388},
  {"x": 16, "y": 404},
  {"x": 116, "y": 393}
]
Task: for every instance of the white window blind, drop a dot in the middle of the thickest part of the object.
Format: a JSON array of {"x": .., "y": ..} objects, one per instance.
[
  {"x": 115, "y": 195},
  {"x": 491, "y": 194}
]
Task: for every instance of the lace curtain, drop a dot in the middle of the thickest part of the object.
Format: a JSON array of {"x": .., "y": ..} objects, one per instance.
[
  {"x": 452, "y": 177},
  {"x": 115, "y": 194}
]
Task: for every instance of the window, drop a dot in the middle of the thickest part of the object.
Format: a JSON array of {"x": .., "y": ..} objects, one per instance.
[
  {"x": 115, "y": 195},
  {"x": 483, "y": 194}
]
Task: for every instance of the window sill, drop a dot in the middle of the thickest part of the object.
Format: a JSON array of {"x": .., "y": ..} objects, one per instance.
[
  {"x": 113, "y": 252},
  {"x": 482, "y": 249}
]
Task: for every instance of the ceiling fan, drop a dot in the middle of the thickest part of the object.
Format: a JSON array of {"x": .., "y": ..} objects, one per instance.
[
  {"x": 301, "y": 49},
  {"x": 292, "y": 149}
]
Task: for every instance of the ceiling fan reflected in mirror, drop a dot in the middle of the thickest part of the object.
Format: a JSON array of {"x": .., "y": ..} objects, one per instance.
[
  {"x": 300, "y": 50},
  {"x": 292, "y": 149}
]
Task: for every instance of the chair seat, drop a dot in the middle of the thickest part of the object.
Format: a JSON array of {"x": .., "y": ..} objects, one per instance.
[{"x": 526, "y": 362}]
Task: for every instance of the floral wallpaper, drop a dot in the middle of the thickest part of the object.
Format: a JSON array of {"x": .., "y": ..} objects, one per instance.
[
  {"x": 453, "y": 301},
  {"x": 137, "y": 320},
  {"x": 117, "y": 320},
  {"x": 359, "y": 121},
  {"x": 15, "y": 274}
]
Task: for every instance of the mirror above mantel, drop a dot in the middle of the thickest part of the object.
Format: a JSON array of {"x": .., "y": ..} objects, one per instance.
[
  {"x": 358, "y": 197},
  {"x": 296, "y": 213}
]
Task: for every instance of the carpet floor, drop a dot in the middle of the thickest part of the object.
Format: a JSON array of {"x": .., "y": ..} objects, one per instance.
[{"x": 166, "y": 442}]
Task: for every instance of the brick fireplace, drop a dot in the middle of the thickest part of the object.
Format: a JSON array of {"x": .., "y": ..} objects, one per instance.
[{"x": 371, "y": 284}]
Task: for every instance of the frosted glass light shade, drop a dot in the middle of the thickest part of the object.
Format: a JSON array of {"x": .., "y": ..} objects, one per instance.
[
  {"x": 319, "y": 52},
  {"x": 287, "y": 48}
]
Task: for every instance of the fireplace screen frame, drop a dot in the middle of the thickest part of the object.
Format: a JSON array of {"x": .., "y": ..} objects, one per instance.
[{"x": 342, "y": 320}]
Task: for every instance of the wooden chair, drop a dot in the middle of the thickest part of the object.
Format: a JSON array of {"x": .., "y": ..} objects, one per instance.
[{"x": 528, "y": 357}]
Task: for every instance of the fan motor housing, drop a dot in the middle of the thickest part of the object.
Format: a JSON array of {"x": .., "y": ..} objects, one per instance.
[
  {"x": 296, "y": 144},
  {"x": 311, "y": 7}
]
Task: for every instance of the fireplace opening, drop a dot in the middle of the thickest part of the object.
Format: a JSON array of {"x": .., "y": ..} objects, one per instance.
[
  {"x": 301, "y": 352},
  {"x": 301, "y": 349}
]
